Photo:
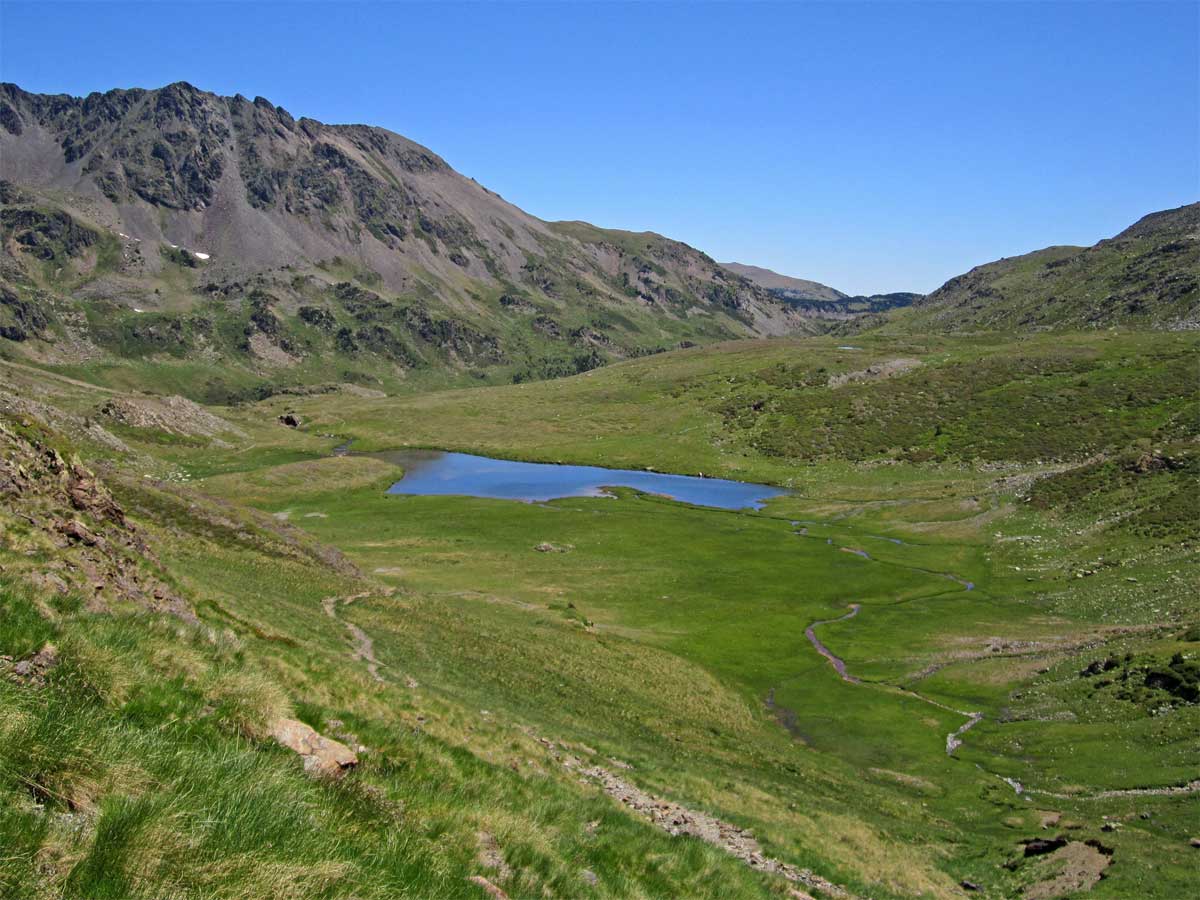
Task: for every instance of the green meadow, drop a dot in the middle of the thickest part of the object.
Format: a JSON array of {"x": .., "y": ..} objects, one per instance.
[{"x": 658, "y": 636}]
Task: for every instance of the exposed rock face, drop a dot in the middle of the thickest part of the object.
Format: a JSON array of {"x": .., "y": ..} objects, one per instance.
[
  {"x": 32, "y": 671},
  {"x": 20, "y": 319},
  {"x": 66, "y": 515},
  {"x": 321, "y": 755},
  {"x": 174, "y": 415},
  {"x": 46, "y": 235}
]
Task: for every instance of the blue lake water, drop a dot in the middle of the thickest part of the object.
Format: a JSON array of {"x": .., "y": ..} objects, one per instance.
[{"x": 436, "y": 472}]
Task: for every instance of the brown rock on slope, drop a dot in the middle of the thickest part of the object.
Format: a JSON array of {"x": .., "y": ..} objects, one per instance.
[
  {"x": 773, "y": 281},
  {"x": 321, "y": 755}
]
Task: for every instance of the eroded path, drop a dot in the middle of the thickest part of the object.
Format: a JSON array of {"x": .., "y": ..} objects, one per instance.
[
  {"x": 679, "y": 820},
  {"x": 363, "y": 646}
]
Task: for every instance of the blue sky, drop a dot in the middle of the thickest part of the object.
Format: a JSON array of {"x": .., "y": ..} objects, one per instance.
[{"x": 874, "y": 147}]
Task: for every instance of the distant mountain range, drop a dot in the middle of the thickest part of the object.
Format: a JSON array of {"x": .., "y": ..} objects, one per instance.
[
  {"x": 819, "y": 301},
  {"x": 785, "y": 285}
]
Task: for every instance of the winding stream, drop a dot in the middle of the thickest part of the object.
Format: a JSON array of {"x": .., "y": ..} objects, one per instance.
[{"x": 838, "y": 664}]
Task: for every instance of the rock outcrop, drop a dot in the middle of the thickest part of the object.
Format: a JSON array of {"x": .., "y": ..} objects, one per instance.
[{"x": 72, "y": 535}]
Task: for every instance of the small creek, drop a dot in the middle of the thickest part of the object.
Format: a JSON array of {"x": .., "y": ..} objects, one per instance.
[
  {"x": 837, "y": 663},
  {"x": 437, "y": 472}
]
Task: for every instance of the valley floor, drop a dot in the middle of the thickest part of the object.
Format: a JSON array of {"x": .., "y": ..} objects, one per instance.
[{"x": 959, "y": 657}]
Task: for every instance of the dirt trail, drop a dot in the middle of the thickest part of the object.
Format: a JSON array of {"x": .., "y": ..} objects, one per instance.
[
  {"x": 1192, "y": 787},
  {"x": 364, "y": 647},
  {"x": 44, "y": 373},
  {"x": 679, "y": 820}
]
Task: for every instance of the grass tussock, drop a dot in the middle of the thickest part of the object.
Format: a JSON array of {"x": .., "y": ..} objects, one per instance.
[{"x": 246, "y": 702}]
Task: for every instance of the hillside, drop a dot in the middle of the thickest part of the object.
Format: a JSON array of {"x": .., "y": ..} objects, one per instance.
[
  {"x": 860, "y": 306},
  {"x": 1148, "y": 276},
  {"x": 268, "y": 251}
]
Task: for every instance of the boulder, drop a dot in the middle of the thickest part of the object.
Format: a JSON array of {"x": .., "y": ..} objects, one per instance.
[{"x": 321, "y": 755}]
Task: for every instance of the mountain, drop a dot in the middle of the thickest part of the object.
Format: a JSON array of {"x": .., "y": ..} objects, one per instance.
[
  {"x": 179, "y": 224},
  {"x": 794, "y": 288},
  {"x": 847, "y": 308},
  {"x": 1146, "y": 276},
  {"x": 818, "y": 301}
]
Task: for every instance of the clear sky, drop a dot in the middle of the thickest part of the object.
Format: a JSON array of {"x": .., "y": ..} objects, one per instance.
[{"x": 873, "y": 147}]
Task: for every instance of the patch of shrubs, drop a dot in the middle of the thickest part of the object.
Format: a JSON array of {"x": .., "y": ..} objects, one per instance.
[
  {"x": 317, "y": 317},
  {"x": 1156, "y": 488},
  {"x": 178, "y": 256},
  {"x": 1143, "y": 681},
  {"x": 559, "y": 367}
]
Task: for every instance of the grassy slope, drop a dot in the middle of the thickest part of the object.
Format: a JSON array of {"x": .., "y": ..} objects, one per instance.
[
  {"x": 672, "y": 673},
  {"x": 141, "y": 769},
  {"x": 1145, "y": 277}
]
